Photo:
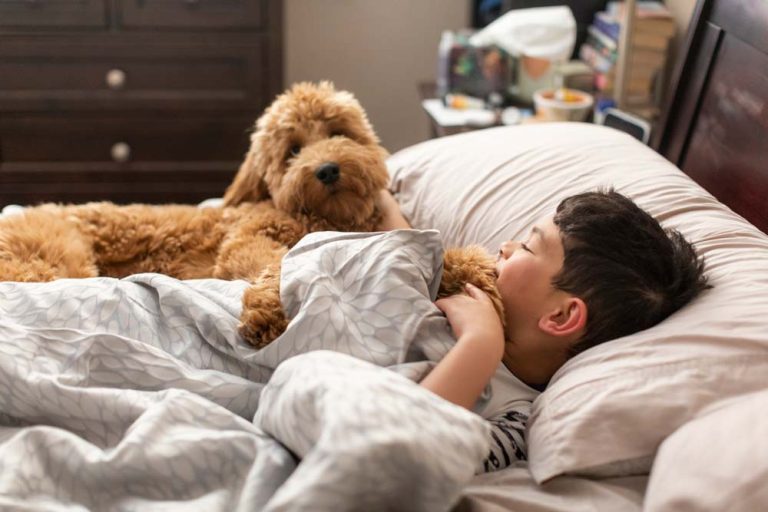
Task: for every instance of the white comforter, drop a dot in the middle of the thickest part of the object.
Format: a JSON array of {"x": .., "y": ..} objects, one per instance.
[{"x": 138, "y": 394}]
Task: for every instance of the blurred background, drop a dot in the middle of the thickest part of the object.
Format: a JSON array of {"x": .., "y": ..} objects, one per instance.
[{"x": 382, "y": 50}]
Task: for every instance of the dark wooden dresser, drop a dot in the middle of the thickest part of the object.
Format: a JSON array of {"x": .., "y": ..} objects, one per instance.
[{"x": 131, "y": 100}]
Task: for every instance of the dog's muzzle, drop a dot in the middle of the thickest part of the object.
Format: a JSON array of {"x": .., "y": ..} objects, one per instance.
[{"x": 328, "y": 173}]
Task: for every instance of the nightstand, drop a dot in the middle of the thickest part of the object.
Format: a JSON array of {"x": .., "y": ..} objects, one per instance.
[
  {"x": 453, "y": 122},
  {"x": 427, "y": 92}
]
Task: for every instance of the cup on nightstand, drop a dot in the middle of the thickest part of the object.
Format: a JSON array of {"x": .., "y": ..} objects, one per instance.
[{"x": 562, "y": 104}]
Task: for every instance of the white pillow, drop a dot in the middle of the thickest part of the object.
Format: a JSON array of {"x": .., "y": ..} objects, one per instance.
[
  {"x": 718, "y": 461},
  {"x": 607, "y": 410}
]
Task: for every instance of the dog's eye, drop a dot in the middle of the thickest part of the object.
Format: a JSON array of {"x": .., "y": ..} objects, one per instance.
[
  {"x": 294, "y": 151},
  {"x": 337, "y": 134}
]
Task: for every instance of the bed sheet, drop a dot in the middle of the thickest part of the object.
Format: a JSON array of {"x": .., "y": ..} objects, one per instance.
[{"x": 514, "y": 489}]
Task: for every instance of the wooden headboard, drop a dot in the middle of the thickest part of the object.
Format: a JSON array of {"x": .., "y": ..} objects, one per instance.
[{"x": 715, "y": 122}]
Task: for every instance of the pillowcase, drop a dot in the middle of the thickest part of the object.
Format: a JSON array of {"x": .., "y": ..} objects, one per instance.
[
  {"x": 718, "y": 461},
  {"x": 607, "y": 410}
]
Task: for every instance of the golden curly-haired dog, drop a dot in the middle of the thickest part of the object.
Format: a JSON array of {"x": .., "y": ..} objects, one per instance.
[{"x": 314, "y": 163}]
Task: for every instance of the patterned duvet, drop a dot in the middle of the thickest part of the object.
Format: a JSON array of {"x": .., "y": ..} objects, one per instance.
[{"x": 138, "y": 394}]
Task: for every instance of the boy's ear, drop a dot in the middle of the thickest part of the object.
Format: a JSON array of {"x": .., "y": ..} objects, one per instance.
[{"x": 568, "y": 319}]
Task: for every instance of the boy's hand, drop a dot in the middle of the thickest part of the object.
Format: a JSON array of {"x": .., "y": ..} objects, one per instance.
[
  {"x": 392, "y": 218},
  {"x": 473, "y": 315},
  {"x": 463, "y": 373}
]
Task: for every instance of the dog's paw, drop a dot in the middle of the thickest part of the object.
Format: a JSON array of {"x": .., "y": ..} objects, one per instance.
[
  {"x": 262, "y": 319},
  {"x": 474, "y": 265},
  {"x": 463, "y": 265},
  {"x": 260, "y": 331}
]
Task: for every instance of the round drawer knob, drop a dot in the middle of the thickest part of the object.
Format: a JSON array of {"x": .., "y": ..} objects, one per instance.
[
  {"x": 115, "y": 78},
  {"x": 121, "y": 152}
]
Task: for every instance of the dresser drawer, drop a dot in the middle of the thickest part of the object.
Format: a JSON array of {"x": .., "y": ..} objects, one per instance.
[
  {"x": 52, "y": 14},
  {"x": 183, "y": 183},
  {"x": 123, "y": 141},
  {"x": 99, "y": 74},
  {"x": 205, "y": 14},
  {"x": 151, "y": 160}
]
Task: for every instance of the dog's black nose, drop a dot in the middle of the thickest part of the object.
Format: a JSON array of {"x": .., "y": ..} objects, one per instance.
[{"x": 328, "y": 173}]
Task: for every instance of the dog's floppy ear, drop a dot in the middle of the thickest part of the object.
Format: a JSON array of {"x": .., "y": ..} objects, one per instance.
[{"x": 248, "y": 184}]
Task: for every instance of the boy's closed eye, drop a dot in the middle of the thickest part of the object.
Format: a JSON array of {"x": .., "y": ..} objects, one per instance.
[{"x": 509, "y": 248}]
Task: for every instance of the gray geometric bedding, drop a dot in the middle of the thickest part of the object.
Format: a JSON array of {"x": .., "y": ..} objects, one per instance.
[{"x": 138, "y": 394}]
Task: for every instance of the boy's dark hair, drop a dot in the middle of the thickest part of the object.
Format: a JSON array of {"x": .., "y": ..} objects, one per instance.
[{"x": 630, "y": 272}]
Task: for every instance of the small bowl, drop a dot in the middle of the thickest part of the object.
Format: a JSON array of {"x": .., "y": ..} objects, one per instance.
[{"x": 576, "y": 107}]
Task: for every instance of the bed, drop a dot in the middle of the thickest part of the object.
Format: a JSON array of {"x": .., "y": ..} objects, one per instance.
[{"x": 137, "y": 395}]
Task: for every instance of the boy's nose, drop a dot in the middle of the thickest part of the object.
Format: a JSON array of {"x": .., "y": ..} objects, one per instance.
[{"x": 507, "y": 248}]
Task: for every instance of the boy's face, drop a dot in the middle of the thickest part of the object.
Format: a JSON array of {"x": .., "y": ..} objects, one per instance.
[{"x": 525, "y": 270}]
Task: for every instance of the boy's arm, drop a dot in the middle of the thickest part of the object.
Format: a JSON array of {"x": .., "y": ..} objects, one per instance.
[
  {"x": 463, "y": 373},
  {"x": 392, "y": 218}
]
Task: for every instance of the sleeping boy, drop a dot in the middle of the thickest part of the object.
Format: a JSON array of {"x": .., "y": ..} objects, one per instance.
[{"x": 599, "y": 269}]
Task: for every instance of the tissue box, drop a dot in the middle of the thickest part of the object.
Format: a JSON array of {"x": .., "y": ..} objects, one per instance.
[{"x": 472, "y": 70}]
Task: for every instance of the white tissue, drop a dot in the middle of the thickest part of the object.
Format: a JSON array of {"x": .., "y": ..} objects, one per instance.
[
  {"x": 11, "y": 209},
  {"x": 213, "y": 202},
  {"x": 544, "y": 32}
]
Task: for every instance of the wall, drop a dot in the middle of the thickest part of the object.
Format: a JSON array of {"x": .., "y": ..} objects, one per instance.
[{"x": 379, "y": 50}]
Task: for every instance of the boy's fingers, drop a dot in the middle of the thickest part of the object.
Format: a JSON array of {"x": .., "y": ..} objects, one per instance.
[
  {"x": 447, "y": 302},
  {"x": 443, "y": 304},
  {"x": 476, "y": 292}
]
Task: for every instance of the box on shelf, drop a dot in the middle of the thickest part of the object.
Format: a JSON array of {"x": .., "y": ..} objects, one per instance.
[{"x": 652, "y": 29}]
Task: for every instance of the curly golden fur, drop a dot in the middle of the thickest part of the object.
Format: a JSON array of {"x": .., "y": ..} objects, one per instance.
[{"x": 314, "y": 163}]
